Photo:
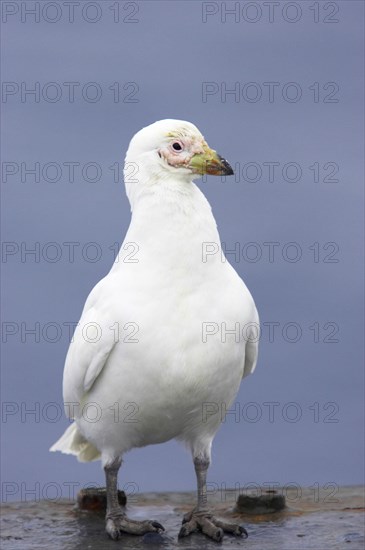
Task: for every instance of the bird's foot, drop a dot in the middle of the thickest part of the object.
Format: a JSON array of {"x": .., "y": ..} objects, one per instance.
[
  {"x": 117, "y": 523},
  {"x": 208, "y": 524}
]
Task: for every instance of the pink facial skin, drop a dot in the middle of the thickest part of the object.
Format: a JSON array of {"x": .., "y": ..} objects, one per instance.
[{"x": 181, "y": 158}]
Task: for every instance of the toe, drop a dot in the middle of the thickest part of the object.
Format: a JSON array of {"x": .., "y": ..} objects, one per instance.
[
  {"x": 187, "y": 528},
  {"x": 112, "y": 530},
  {"x": 188, "y": 516},
  {"x": 232, "y": 528},
  {"x": 210, "y": 529},
  {"x": 142, "y": 527}
]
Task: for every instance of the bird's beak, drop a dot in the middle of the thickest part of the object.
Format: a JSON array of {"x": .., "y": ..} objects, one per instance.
[{"x": 211, "y": 163}]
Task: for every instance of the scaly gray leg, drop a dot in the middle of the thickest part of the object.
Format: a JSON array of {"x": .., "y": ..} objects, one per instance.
[
  {"x": 116, "y": 520},
  {"x": 200, "y": 519}
]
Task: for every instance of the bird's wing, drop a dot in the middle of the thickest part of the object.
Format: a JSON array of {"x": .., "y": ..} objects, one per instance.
[
  {"x": 252, "y": 345},
  {"x": 91, "y": 345},
  {"x": 251, "y": 354}
]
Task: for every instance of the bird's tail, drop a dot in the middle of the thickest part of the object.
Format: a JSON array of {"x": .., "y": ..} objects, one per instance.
[{"x": 73, "y": 443}]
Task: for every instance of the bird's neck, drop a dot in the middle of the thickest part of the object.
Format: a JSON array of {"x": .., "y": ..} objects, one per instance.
[
  {"x": 172, "y": 203},
  {"x": 171, "y": 222}
]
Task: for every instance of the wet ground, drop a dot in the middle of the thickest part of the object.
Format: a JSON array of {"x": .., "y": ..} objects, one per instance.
[{"x": 311, "y": 520}]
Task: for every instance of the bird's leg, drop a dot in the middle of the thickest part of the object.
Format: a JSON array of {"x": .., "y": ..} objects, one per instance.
[
  {"x": 111, "y": 476},
  {"x": 200, "y": 519},
  {"x": 116, "y": 520},
  {"x": 201, "y": 469}
]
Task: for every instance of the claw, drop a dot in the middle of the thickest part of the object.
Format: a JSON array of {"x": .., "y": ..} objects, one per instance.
[{"x": 158, "y": 526}]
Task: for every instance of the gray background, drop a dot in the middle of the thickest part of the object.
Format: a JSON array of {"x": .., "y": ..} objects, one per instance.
[{"x": 168, "y": 53}]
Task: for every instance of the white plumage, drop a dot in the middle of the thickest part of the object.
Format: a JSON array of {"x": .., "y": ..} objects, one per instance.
[{"x": 149, "y": 383}]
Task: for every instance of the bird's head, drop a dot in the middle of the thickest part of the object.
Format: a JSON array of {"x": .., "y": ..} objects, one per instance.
[{"x": 175, "y": 148}]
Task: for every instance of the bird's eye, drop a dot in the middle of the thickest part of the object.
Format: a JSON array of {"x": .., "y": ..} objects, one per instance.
[{"x": 177, "y": 146}]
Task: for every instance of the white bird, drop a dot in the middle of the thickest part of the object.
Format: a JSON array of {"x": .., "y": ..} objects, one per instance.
[{"x": 152, "y": 351}]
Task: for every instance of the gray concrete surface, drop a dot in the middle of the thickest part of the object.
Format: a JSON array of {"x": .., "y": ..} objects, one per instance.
[{"x": 310, "y": 521}]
